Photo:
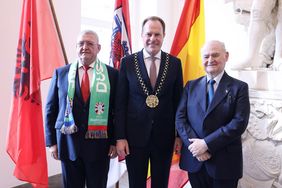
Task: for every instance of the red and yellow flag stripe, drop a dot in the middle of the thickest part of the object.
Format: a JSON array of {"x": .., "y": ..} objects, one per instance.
[{"x": 189, "y": 38}]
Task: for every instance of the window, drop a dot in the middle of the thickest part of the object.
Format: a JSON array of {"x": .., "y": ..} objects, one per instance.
[{"x": 97, "y": 15}]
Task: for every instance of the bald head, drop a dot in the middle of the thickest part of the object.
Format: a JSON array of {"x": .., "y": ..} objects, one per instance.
[
  {"x": 214, "y": 57},
  {"x": 219, "y": 44}
]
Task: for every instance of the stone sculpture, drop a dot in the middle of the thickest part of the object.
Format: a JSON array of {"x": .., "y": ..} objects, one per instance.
[{"x": 264, "y": 19}]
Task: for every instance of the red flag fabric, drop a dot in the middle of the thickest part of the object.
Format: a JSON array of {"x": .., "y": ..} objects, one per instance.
[
  {"x": 121, "y": 37},
  {"x": 177, "y": 177},
  {"x": 39, "y": 53}
]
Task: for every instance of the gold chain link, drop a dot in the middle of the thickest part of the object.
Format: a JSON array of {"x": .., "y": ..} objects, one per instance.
[{"x": 141, "y": 81}]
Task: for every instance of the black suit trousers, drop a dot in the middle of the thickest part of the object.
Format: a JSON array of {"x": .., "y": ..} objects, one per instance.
[
  {"x": 201, "y": 179},
  {"x": 137, "y": 166},
  {"x": 78, "y": 173}
]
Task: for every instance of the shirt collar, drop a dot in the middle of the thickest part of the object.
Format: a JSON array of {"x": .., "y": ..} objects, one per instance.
[
  {"x": 217, "y": 78},
  {"x": 146, "y": 55},
  {"x": 81, "y": 65}
]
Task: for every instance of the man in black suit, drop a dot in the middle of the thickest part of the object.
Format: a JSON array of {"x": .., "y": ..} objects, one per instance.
[
  {"x": 79, "y": 116},
  {"x": 211, "y": 126},
  {"x": 149, "y": 88}
]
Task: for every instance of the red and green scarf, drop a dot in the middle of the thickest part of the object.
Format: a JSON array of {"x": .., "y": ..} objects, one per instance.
[{"x": 99, "y": 102}]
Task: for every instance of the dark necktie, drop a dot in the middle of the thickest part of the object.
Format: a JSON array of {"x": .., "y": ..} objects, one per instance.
[
  {"x": 210, "y": 90},
  {"x": 153, "y": 72},
  {"x": 85, "y": 86}
]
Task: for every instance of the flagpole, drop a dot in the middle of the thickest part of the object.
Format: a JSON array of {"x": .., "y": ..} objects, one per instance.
[{"x": 59, "y": 31}]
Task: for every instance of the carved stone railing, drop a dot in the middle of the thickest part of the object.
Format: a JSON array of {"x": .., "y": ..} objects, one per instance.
[{"x": 262, "y": 140}]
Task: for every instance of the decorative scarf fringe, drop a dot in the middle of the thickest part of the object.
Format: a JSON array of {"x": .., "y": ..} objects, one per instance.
[
  {"x": 69, "y": 129},
  {"x": 69, "y": 126},
  {"x": 93, "y": 134}
]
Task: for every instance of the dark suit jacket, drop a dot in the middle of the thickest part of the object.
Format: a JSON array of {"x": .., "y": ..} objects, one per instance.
[
  {"x": 221, "y": 125},
  {"x": 75, "y": 145},
  {"x": 138, "y": 123}
]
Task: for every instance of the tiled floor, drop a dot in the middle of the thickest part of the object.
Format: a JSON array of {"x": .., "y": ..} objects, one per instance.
[
  {"x": 123, "y": 182},
  {"x": 55, "y": 182}
]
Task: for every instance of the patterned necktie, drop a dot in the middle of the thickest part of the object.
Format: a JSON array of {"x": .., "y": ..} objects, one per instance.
[
  {"x": 85, "y": 86},
  {"x": 153, "y": 72},
  {"x": 210, "y": 90}
]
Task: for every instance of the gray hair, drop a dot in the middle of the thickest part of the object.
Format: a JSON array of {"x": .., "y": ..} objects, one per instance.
[
  {"x": 220, "y": 43},
  {"x": 90, "y": 32}
]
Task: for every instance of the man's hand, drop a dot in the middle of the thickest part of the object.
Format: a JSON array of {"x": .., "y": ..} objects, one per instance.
[
  {"x": 112, "y": 152},
  {"x": 177, "y": 145},
  {"x": 197, "y": 146},
  {"x": 54, "y": 151},
  {"x": 122, "y": 148},
  {"x": 203, "y": 157}
]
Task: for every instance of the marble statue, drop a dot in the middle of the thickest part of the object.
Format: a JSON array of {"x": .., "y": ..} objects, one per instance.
[{"x": 264, "y": 19}]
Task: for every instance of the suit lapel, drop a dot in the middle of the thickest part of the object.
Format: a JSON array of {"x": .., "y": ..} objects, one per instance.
[
  {"x": 202, "y": 93},
  {"x": 162, "y": 65},
  {"x": 143, "y": 70},
  {"x": 77, "y": 88},
  {"x": 222, "y": 90}
]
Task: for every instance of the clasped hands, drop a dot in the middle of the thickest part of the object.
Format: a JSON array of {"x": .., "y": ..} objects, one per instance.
[{"x": 199, "y": 149}]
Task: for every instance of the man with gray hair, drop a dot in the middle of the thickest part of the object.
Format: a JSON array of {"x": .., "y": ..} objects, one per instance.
[{"x": 79, "y": 116}]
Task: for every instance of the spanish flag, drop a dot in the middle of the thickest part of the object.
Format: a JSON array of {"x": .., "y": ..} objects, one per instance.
[{"x": 189, "y": 38}]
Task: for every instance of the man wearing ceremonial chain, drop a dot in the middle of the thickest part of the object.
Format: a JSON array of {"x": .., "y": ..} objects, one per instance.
[{"x": 149, "y": 89}]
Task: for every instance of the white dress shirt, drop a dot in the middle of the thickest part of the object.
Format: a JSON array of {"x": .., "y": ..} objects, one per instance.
[
  {"x": 148, "y": 61},
  {"x": 89, "y": 71}
]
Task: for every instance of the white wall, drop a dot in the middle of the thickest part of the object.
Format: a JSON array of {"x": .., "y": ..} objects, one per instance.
[
  {"x": 9, "y": 31},
  {"x": 168, "y": 10},
  {"x": 68, "y": 15}
]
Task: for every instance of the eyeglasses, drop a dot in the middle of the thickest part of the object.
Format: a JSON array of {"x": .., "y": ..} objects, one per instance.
[{"x": 87, "y": 43}]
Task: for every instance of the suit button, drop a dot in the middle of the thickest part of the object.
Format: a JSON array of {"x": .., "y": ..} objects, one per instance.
[{"x": 152, "y": 122}]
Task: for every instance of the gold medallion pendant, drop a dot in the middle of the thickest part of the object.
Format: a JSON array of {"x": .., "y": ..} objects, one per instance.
[{"x": 152, "y": 101}]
